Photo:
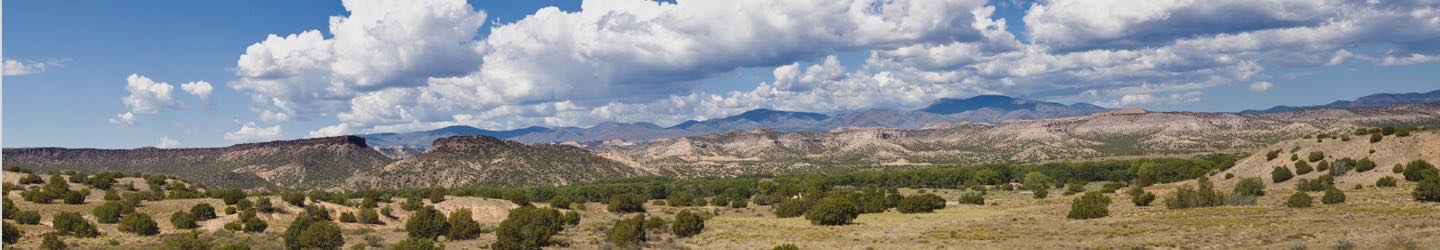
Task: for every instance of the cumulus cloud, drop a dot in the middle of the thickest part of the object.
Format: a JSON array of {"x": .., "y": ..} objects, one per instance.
[
  {"x": 252, "y": 133},
  {"x": 127, "y": 118},
  {"x": 166, "y": 142},
  {"x": 636, "y": 60},
  {"x": 14, "y": 67},
  {"x": 199, "y": 89},
  {"x": 148, "y": 96},
  {"x": 327, "y": 131},
  {"x": 1261, "y": 86},
  {"x": 381, "y": 44}
]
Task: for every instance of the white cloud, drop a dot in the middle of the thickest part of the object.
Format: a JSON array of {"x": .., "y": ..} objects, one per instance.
[
  {"x": 127, "y": 118},
  {"x": 1416, "y": 58},
  {"x": 252, "y": 133},
  {"x": 272, "y": 116},
  {"x": 14, "y": 67},
  {"x": 1261, "y": 86},
  {"x": 1137, "y": 99},
  {"x": 148, "y": 96},
  {"x": 166, "y": 142},
  {"x": 327, "y": 131},
  {"x": 380, "y": 44},
  {"x": 632, "y": 60},
  {"x": 199, "y": 89}
]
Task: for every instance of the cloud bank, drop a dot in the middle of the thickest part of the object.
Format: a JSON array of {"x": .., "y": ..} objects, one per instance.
[{"x": 403, "y": 65}]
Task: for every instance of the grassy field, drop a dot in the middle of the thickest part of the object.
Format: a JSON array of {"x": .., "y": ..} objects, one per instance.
[{"x": 1372, "y": 218}]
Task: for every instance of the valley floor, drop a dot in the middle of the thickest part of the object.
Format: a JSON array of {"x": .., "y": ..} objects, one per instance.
[{"x": 1372, "y": 218}]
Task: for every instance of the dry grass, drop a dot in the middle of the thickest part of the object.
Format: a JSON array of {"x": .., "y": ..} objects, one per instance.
[{"x": 1373, "y": 219}]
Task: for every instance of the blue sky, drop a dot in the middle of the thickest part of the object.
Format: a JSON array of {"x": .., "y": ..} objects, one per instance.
[{"x": 634, "y": 61}]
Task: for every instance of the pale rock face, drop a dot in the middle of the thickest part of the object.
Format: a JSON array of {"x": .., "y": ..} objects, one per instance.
[{"x": 1130, "y": 133}]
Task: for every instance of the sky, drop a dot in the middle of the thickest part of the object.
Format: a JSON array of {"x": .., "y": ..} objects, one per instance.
[{"x": 129, "y": 74}]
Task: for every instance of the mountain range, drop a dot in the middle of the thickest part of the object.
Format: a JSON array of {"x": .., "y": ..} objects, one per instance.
[
  {"x": 1369, "y": 101},
  {"x": 779, "y": 142},
  {"x": 978, "y": 109}
]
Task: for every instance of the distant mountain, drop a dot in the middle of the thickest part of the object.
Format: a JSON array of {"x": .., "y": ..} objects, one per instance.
[
  {"x": 305, "y": 163},
  {"x": 759, "y": 118},
  {"x": 1375, "y": 100},
  {"x": 984, "y": 109},
  {"x": 1100, "y": 135}
]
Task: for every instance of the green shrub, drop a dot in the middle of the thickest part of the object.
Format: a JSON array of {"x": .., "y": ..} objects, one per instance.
[
  {"x": 1272, "y": 155},
  {"x": 252, "y": 224},
  {"x": 52, "y": 243},
  {"x": 832, "y": 211},
  {"x": 739, "y": 203},
  {"x": 185, "y": 241},
  {"x": 108, "y": 212},
  {"x": 203, "y": 211},
  {"x": 369, "y": 216},
  {"x": 111, "y": 195},
  {"x": 1038, "y": 183},
  {"x": 263, "y": 205},
  {"x": 1074, "y": 187},
  {"x": 1252, "y": 186},
  {"x": 315, "y": 211},
  {"x": 1333, "y": 196},
  {"x": 972, "y": 198},
  {"x": 786, "y": 246},
  {"x": 73, "y": 197},
  {"x": 183, "y": 220},
  {"x": 1280, "y": 174},
  {"x": 561, "y": 201},
  {"x": 73, "y": 223},
  {"x": 1398, "y": 168},
  {"x": 1416, "y": 170},
  {"x": 295, "y": 199},
  {"x": 627, "y": 232},
  {"x": 1091, "y": 205},
  {"x": 528, "y": 227},
  {"x": 9, "y": 207},
  {"x": 1302, "y": 168},
  {"x": 412, "y": 203},
  {"x": 426, "y": 223},
  {"x": 680, "y": 199},
  {"x": 572, "y": 218},
  {"x": 1140, "y": 197},
  {"x": 321, "y": 235},
  {"x": 139, "y": 224},
  {"x": 348, "y": 217},
  {"x": 626, "y": 203},
  {"x": 230, "y": 210},
  {"x": 1428, "y": 189},
  {"x": 1299, "y": 200},
  {"x": 656, "y": 224},
  {"x": 687, "y": 224},
  {"x": 236, "y": 246},
  {"x": 920, "y": 203},
  {"x": 1316, "y": 156},
  {"x": 1364, "y": 165},
  {"x": 790, "y": 208},
  {"x": 415, "y": 244},
  {"x": 462, "y": 226},
  {"x": 12, "y": 233},
  {"x": 230, "y": 196},
  {"x": 1185, "y": 197},
  {"x": 27, "y": 217},
  {"x": 438, "y": 195},
  {"x": 1388, "y": 181},
  {"x": 1376, "y": 138}
]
